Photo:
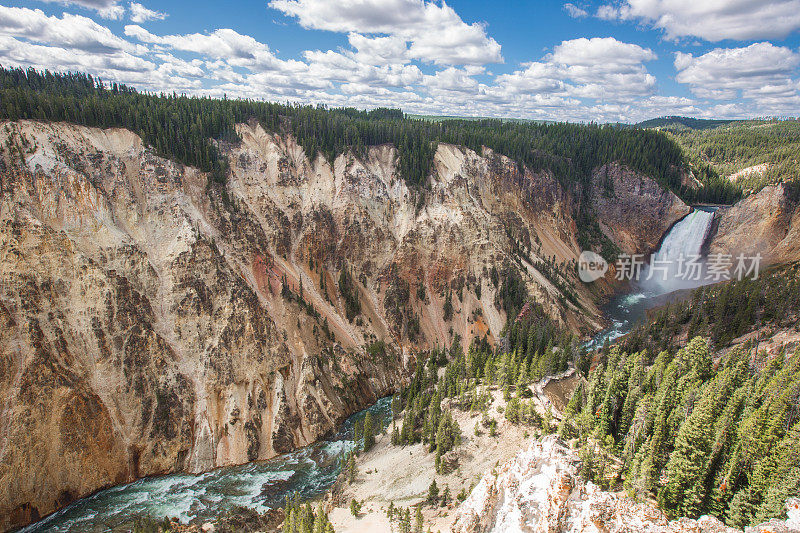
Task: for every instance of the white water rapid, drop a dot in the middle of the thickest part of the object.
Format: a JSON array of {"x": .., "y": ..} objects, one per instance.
[
  {"x": 684, "y": 242},
  {"x": 671, "y": 268}
]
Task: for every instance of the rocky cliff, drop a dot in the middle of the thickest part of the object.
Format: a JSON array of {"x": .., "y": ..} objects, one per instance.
[
  {"x": 156, "y": 321},
  {"x": 540, "y": 490},
  {"x": 633, "y": 211},
  {"x": 767, "y": 222}
]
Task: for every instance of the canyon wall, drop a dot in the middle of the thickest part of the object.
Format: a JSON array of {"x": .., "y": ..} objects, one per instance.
[
  {"x": 153, "y": 320},
  {"x": 766, "y": 223}
]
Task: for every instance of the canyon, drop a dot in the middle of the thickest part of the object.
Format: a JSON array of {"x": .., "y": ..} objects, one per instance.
[{"x": 155, "y": 320}]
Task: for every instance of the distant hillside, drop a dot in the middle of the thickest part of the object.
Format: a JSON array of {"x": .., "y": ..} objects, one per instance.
[
  {"x": 439, "y": 118},
  {"x": 751, "y": 153},
  {"x": 683, "y": 123}
]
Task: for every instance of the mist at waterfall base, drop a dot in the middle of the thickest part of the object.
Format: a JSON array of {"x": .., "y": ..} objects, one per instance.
[
  {"x": 261, "y": 485},
  {"x": 685, "y": 239}
]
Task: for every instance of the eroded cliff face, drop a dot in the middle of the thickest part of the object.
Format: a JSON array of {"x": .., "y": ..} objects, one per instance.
[
  {"x": 633, "y": 210},
  {"x": 151, "y": 321},
  {"x": 541, "y": 490},
  {"x": 767, "y": 222}
]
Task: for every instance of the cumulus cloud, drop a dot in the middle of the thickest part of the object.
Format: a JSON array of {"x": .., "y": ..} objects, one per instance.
[
  {"x": 597, "y": 68},
  {"x": 69, "y": 31},
  {"x": 236, "y": 49},
  {"x": 591, "y": 52},
  {"x": 18, "y": 53},
  {"x": 140, "y": 14},
  {"x": 762, "y": 72},
  {"x": 379, "y": 50},
  {"x": 415, "y": 54},
  {"x": 712, "y": 20},
  {"x": 459, "y": 80},
  {"x": 435, "y": 31}
]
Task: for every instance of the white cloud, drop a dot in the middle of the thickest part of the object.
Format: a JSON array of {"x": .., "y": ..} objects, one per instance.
[
  {"x": 335, "y": 66},
  {"x": 379, "y": 50},
  {"x": 69, "y": 31},
  {"x": 18, "y": 53},
  {"x": 436, "y": 33},
  {"x": 712, "y": 20},
  {"x": 602, "y": 69},
  {"x": 454, "y": 79},
  {"x": 601, "y": 79},
  {"x": 140, "y": 14},
  {"x": 236, "y": 49},
  {"x": 108, "y": 9},
  {"x": 598, "y": 50},
  {"x": 575, "y": 11},
  {"x": 761, "y": 72}
]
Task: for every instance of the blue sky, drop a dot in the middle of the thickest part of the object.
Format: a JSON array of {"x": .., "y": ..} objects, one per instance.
[{"x": 606, "y": 61}]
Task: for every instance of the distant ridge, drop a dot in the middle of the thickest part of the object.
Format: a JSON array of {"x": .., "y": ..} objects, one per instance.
[{"x": 683, "y": 123}]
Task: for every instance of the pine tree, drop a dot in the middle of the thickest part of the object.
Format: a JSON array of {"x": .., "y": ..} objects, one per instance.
[
  {"x": 433, "y": 493},
  {"x": 684, "y": 493},
  {"x": 369, "y": 432},
  {"x": 445, "y": 496},
  {"x": 418, "y": 521},
  {"x": 355, "y": 507}
]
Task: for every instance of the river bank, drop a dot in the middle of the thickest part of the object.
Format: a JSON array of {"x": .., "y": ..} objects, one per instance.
[{"x": 259, "y": 486}]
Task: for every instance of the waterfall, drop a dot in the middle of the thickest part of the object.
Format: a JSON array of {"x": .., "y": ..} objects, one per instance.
[{"x": 685, "y": 240}]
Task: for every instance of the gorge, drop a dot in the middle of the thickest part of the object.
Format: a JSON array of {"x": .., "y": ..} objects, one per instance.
[
  {"x": 310, "y": 471},
  {"x": 191, "y": 329},
  {"x": 158, "y": 320}
]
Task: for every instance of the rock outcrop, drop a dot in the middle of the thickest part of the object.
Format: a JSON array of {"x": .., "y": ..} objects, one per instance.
[
  {"x": 767, "y": 222},
  {"x": 634, "y": 212},
  {"x": 156, "y": 321},
  {"x": 540, "y": 490}
]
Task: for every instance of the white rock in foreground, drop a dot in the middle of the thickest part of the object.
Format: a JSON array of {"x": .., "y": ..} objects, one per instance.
[{"x": 540, "y": 491}]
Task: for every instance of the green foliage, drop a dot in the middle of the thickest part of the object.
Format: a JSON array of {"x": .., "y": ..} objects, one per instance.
[
  {"x": 301, "y": 518},
  {"x": 738, "y": 145},
  {"x": 447, "y": 308},
  {"x": 351, "y": 468},
  {"x": 705, "y": 440},
  {"x": 682, "y": 123},
  {"x": 369, "y": 432},
  {"x": 352, "y": 305},
  {"x": 445, "y": 496},
  {"x": 433, "y": 493},
  {"x": 181, "y": 127},
  {"x": 376, "y": 349},
  {"x": 355, "y": 507}
]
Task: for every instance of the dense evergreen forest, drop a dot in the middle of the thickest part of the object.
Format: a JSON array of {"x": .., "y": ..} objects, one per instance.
[
  {"x": 703, "y": 433},
  {"x": 182, "y": 128},
  {"x": 658, "y": 416},
  {"x": 741, "y": 144},
  {"x": 723, "y": 312},
  {"x": 676, "y": 123},
  {"x": 703, "y": 438}
]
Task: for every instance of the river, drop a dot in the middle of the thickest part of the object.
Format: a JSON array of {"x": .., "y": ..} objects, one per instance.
[
  {"x": 685, "y": 239},
  {"x": 260, "y": 485},
  {"x": 310, "y": 471}
]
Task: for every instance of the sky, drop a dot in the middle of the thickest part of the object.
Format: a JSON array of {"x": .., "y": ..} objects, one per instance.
[{"x": 601, "y": 61}]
